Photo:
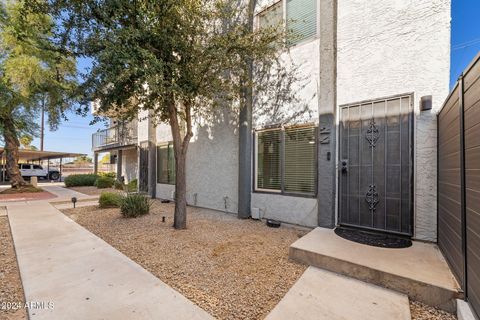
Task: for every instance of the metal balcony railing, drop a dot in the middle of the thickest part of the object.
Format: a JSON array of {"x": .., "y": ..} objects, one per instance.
[{"x": 122, "y": 134}]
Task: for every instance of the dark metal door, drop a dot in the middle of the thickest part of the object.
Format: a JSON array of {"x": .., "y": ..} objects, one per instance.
[
  {"x": 376, "y": 165},
  {"x": 143, "y": 167}
]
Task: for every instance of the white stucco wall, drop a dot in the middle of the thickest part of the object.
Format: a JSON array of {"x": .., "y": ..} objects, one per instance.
[
  {"x": 388, "y": 47},
  {"x": 129, "y": 165},
  {"x": 295, "y": 210},
  {"x": 212, "y": 163}
]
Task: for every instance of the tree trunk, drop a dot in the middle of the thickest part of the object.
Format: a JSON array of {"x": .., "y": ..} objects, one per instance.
[
  {"x": 180, "y": 147},
  {"x": 11, "y": 150},
  {"x": 180, "y": 216}
]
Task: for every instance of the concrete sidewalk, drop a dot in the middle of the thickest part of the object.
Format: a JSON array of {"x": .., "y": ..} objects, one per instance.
[
  {"x": 84, "y": 277},
  {"x": 324, "y": 295}
]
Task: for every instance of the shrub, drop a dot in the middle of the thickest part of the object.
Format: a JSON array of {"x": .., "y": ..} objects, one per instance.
[
  {"x": 134, "y": 205},
  {"x": 112, "y": 175},
  {"x": 104, "y": 182},
  {"x": 119, "y": 185},
  {"x": 79, "y": 180},
  {"x": 132, "y": 185},
  {"x": 110, "y": 200}
]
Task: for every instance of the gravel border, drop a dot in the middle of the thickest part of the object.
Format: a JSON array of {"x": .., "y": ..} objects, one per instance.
[
  {"x": 11, "y": 290},
  {"x": 232, "y": 268}
]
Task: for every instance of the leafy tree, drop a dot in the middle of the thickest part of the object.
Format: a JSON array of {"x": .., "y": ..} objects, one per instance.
[
  {"x": 31, "y": 69},
  {"x": 26, "y": 142},
  {"x": 177, "y": 59},
  {"x": 83, "y": 160}
]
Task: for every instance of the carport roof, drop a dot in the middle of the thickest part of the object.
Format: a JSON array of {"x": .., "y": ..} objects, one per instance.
[{"x": 33, "y": 155}]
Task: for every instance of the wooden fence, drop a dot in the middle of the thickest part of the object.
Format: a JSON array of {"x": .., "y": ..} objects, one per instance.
[{"x": 459, "y": 182}]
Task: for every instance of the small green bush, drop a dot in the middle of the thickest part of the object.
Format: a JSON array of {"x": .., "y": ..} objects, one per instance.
[
  {"x": 132, "y": 185},
  {"x": 104, "y": 182},
  {"x": 119, "y": 185},
  {"x": 112, "y": 175},
  {"x": 134, "y": 205},
  {"x": 110, "y": 200},
  {"x": 80, "y": 180}
]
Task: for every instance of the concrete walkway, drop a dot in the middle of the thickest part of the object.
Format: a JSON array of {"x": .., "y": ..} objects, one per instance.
[
  {"x": 83, "y": 276},
  {"x": 324, "y": 295}
]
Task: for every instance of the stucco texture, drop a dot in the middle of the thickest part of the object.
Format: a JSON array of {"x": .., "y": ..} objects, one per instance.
[
  {"x": 212, "y": 163},
  {"x": 388, "y": 47}
]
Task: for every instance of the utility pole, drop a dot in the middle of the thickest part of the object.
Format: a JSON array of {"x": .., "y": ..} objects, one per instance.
[{"x": 42, "y": 130}]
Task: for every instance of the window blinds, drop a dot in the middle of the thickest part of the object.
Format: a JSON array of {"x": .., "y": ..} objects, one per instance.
[
  {"x": 165, "y": 164},
  {"x": 300, "y": 150},
  {"x": 268, "y": 160},
  {"x": 301, "y": 20},
  {"x": 286, "y": 160}
]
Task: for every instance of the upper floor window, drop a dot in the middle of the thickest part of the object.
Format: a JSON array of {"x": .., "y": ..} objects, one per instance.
[
  {"x": 301, "y": 19},
  {"x": 286, "y": 161},
  {"x": 165, "y": 164}
]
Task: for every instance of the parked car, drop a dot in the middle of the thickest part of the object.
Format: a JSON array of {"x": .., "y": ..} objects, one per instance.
[{"x": 34, "y": 170}]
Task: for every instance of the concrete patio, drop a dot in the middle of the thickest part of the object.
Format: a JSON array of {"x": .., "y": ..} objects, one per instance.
[{"x": 419, "y": 271}]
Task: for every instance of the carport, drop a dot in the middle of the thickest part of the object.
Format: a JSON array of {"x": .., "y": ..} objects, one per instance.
[{"x": 31, "y": 156}]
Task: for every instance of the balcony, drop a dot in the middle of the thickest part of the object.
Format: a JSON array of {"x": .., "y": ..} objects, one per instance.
[{"x": 120, "y": 135}]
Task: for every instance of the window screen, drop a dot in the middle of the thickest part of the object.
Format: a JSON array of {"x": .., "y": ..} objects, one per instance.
[
  {"x": 268, "y": 160},
  {"x": 300, "y": 167},
  {"x": 166, "y": 164},
  {"x": 301, "y": 20}
]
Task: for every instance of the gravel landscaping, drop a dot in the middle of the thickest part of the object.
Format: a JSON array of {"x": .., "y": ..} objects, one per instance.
[
  {"x": 420, "y": 311},
  {"x": 11, "y": 290},
  {"x": 233, "y": 269}
]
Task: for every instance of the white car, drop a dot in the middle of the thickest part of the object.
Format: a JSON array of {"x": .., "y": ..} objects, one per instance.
[{"x": 35, "y": 170}]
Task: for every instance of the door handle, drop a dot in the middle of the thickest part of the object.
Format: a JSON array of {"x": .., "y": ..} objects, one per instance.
[{"x": 344, "y": 165}]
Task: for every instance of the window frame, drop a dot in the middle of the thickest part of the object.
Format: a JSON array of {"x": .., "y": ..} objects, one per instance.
[
  {"x": 165, "y": 144},
  {"x": 285, "y": 24},
  {"x": 282, "y": 163}
]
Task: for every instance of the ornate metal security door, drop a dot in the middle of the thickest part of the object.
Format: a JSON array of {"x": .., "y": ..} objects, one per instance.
[{"x": 376, "y": 165}]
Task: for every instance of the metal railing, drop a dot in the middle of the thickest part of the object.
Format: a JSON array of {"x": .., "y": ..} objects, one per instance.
[{"x": 119, "y": 135}]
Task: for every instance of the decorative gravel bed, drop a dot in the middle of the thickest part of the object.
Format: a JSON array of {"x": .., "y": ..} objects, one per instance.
[
  {"x": 420, "y": 311},
  {"x": 11, "y": 290},
  {"x": 233, "y": 269}
]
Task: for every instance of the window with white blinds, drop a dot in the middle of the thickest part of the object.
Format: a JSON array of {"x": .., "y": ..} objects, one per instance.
[
  {"x": 272, "y": 16},
  {"x": 268, "y": 160},
  {"x": 165, "y": 164},
  {"x": 301, "y": 20},
  {"x": 300, "y": 168},
  {"x": 286, "y": 161}
]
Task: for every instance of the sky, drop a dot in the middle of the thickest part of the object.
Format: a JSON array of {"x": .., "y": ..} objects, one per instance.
[{"x": 75, "y": 134}]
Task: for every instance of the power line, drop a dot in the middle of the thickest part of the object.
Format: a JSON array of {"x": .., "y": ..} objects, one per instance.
[{"x": 466, "y": 44}]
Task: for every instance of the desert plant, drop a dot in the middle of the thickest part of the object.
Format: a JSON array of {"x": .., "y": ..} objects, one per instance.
[
  {"x": 104, "y": 182},
  {"x": 78, "y": 180},
  {"x": 134, "y": 205},
  {"x": 110, "y": 200},
  {"x": 132, "y": 185}
]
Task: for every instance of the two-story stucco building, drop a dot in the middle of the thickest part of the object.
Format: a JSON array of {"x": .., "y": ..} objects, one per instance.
[{"x": 363, "y": 152}]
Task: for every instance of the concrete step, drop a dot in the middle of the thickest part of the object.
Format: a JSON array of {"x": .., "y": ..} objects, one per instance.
[
  {"x": 320, "y": 294},
  {"x": 420, "y": 271}
]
